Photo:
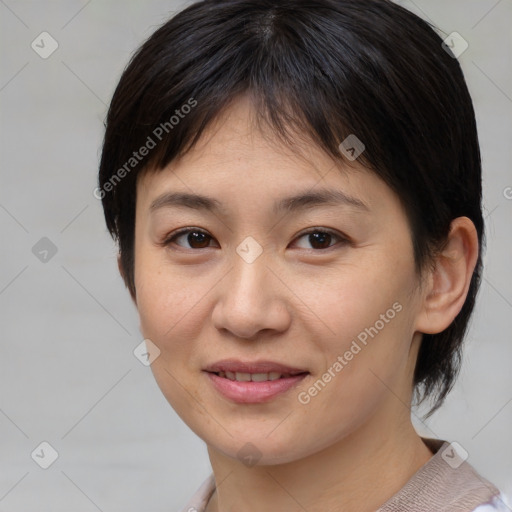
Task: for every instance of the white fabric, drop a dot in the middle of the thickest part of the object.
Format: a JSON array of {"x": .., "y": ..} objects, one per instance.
[
  {"x": 201, "y": 497},
  {"x": 497, "y": 505}
]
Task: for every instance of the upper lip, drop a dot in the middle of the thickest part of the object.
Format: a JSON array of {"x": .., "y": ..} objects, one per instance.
[{"x": 235, "y": 365}]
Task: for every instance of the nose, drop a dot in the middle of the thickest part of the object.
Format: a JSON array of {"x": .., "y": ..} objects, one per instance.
[{"x": 251, "y": 299}]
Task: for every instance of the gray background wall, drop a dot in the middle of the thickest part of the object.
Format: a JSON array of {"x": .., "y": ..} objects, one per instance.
[{"x": 67, "y": 372}]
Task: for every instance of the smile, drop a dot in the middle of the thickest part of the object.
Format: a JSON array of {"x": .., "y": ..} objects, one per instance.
[
  {"x": 247, "y": 388},
  {"x": 253, "y": 377}
]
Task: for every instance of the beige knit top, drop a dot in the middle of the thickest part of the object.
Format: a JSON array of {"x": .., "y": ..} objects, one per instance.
[{"x": 446, "y": 483}]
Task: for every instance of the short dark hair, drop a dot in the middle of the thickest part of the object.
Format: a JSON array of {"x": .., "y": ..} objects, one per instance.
[{"x": 326, "y": 69}]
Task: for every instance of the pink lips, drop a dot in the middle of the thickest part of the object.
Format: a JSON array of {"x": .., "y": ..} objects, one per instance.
[{"x": 253, "y": 392}]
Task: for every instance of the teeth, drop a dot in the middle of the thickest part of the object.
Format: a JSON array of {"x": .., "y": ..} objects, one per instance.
[
  {"x": 259, "y": 377},
  {"x": 254, "y": 377}
]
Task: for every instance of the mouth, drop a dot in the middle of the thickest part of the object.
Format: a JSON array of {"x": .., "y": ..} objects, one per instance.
[
  {"x": 256, "y": 377},
  {"x": 253, "y": 382}
]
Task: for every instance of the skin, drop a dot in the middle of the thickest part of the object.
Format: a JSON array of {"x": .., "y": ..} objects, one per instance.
[{"x": 353, "y": 445}]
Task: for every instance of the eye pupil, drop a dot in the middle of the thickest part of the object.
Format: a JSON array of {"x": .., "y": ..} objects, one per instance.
[
  {"x": 323, "y": 239},
  {"x": 199, "y": 238}
]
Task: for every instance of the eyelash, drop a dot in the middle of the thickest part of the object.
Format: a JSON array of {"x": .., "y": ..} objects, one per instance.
[{"x": 176, "y": 234}]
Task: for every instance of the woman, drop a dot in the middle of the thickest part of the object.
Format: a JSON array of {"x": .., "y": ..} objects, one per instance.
[{"x": 295, "y": 187}]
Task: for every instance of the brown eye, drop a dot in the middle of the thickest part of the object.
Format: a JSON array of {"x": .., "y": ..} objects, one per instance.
[
  {"x": 195, "y": 238},
  {"x": 321, "y": 239}
]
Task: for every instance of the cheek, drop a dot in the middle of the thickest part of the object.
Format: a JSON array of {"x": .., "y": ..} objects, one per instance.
[
  {"x": 365, "y": 368},
  {"x": 367, "y": 315},
  {"x": 169, "y": 313},
  {"x": 351, "y": 297},
  {"x": 166, "y": 299}
]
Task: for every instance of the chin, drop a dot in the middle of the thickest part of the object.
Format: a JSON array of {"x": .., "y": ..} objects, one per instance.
[{"x": 258, "y": 448}]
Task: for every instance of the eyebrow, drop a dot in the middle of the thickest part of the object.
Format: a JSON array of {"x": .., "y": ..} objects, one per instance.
[{"x": 301, "y": 201}]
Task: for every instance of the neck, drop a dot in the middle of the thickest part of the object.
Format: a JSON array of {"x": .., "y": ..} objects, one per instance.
[{"x": 358, "y": 473}]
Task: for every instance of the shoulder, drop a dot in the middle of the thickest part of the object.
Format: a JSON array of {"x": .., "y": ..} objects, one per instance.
[{"x": 446, "y": 482}]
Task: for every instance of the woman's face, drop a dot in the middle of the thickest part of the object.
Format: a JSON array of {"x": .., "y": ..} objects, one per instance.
[{"x": 325, "y": 286}]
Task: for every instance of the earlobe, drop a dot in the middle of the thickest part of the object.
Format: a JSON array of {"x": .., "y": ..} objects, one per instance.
[{"x": 450, "y": 278}]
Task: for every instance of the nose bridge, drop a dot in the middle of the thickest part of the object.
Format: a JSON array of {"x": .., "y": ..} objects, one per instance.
[
  {"x": 250, "y": 274},
  {"x": 251, "y": 299}
]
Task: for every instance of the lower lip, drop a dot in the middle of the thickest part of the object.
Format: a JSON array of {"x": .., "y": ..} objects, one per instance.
[{"x": 253, "y": 392}]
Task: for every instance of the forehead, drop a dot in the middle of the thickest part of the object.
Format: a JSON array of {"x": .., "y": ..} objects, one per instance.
[
  {"x": 238, "y": 158},
  {"x": 240, "y": 132}
]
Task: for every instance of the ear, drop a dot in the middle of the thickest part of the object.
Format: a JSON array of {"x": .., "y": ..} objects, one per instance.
[
  {"x": 121, "y": 271},
  {"x": 449, "y": 281}
]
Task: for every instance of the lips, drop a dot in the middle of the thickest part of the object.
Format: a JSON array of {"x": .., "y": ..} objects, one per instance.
[{"x": 246, "y": 382}]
